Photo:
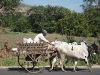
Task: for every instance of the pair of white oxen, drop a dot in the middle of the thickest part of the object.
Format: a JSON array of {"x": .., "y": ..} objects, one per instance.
[
  {"x": 66, "y": 50},
  {"x": 71, "y": 51}
]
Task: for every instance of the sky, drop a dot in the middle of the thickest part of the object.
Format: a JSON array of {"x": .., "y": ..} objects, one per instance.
[{"x": 73, "y": 5}]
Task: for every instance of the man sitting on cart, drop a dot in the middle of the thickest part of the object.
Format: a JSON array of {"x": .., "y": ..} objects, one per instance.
[{"x": 40, "y": 38}]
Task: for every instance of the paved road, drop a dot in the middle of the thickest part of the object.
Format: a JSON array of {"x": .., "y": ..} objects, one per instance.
[{"x": 20, "y": 71}]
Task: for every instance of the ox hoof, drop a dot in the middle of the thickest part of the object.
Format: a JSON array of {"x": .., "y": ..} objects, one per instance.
[
  {"x": 50, "y": 70},
  {"x": 64, "y": 71},
  {"x": 74, "y": 71},
  {"x": 90, "y": 71}
]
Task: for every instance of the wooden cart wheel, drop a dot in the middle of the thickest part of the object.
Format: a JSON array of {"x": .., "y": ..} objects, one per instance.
[
  {"x": 31, "y": 62},
  {"x": 21, "y": 59}
]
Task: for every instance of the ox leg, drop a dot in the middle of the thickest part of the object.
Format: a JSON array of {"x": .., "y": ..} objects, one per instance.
[
  {"x": 52, "y": 63},
  {"x": 61, "y": 62},
  {"x": 86, "y": 61},
  {"x": 66, "y": 62},
  {"x": 75, "y": 65}
]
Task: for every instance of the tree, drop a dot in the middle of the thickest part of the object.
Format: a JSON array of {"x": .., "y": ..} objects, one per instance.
[
  {"x": 92, "y": 15},
  {"x": 90, "y": 4},
  {"x": 41, "y": 17},
  {"x": 37, "y": 18},
  {"x": 74, "y": 24},
  {"x": 21, "y": 26},
  {"x": 7, "y": 7},
  {"x": 19, "y": 23},
  {"x": 91, "y": 11}
]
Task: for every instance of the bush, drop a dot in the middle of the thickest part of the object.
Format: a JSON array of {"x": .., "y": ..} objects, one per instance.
[
  {"x": 21, "y": 26},
  {"x": 70, "y": 39},
  {"x": 95, "y": 59}
]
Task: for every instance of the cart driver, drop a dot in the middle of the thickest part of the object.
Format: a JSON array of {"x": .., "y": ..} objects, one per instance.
[{"x": 39, "y": 38}]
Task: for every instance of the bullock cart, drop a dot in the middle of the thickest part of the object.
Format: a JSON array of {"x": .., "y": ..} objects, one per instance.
[{"x": 31, "y": 56}]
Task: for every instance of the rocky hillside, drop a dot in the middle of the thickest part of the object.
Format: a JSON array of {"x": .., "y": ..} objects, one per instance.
[{"x": 23, "y": 7}]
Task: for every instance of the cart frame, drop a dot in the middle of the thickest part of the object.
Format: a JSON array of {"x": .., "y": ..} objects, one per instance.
[{"x": 31, "y": 54}]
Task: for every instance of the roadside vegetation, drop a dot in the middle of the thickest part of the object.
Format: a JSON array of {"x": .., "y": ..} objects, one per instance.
[{"x": 8, "y": 58}]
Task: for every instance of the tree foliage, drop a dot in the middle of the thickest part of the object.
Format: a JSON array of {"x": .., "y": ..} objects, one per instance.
[
  {"x": 7, "y": 8},
  {"x": 52, "y": 18},
  {"x": 92, "y": 13}
]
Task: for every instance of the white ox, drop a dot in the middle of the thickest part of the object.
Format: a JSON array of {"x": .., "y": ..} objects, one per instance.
[{"x": 75, "y": 52}]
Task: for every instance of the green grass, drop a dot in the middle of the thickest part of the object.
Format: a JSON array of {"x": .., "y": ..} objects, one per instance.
[
  {"x": 13, "y": 62},
  {"x": 8, "y": 62}
]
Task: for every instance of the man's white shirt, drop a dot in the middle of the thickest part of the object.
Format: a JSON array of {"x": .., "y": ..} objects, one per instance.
[{"x": 40, "y": 38}]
